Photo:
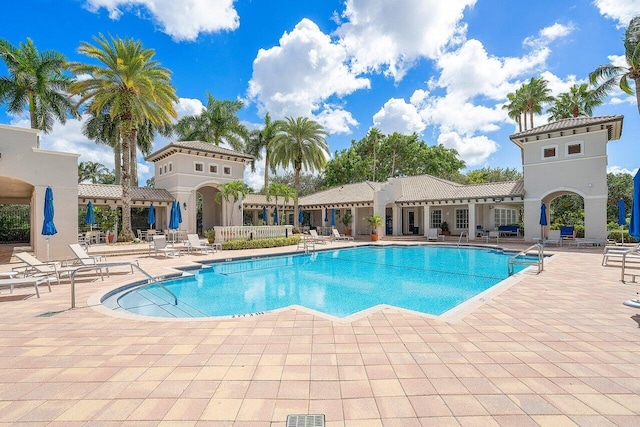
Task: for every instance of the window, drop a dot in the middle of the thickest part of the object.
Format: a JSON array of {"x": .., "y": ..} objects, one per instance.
[
  {"x": 436, "y": 218},
  {"x": 199, "y": 167},
  {"x": 462, "y": 219},
  {"x": 550, "y": 152},
  {"x": 164, "y": 169},
  {"x": 574, "y": 148},
  {"x": 170, "y": 166},
  {"x": 213, "y": 169},
  {"x": 504, "y": 216},
  {"x": 226, "y": 170},
  {"x": 159, "y": 170}
]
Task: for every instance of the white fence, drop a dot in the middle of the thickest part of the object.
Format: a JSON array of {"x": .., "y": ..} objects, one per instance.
[{"x": 252, "y": 232}]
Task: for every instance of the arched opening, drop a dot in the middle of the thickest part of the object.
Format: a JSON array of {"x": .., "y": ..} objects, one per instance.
[
  {"x": 209, "y": 212},
  {"x": 566, "y": 210},
  {"x": 15, "y": 210}
]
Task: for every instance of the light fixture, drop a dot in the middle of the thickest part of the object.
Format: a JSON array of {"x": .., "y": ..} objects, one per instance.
[{"x": 184, "y": 204}]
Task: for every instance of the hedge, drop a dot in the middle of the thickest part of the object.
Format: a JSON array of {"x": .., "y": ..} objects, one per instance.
[{"x": 231, "y": 245}]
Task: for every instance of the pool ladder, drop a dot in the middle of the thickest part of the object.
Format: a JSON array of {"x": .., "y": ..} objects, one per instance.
[
  {"x": 463, "y": 234},
  {"x": 524, "y": 258}
]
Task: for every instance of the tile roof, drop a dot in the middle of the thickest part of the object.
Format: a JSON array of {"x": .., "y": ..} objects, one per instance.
[
  {"x": 570, "y": 123},
  {"x": 198, "y": 147},
  {"x": 261, "y": 200},
  {"x": 361, "y": 192},
  {"x": 430, "y": 188},
  {"x": 114, "y": 192}
]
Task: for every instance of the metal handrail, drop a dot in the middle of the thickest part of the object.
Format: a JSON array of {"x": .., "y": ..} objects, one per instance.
[
  {"x": 463, "y": 233},
  {"x": 114, "y": 264},
  {"x": 520, "y": 258}
]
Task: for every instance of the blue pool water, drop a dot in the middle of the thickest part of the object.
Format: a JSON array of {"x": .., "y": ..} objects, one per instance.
[{"x": 429, "y": 279}]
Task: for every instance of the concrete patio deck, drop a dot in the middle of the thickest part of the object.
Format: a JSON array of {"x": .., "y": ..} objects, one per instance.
[{"x": 555, "y": 349}]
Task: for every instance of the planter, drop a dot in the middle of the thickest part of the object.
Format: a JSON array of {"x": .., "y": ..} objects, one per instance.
[
  {"x": 111, "y": 238},
  {"x": 347, "y": 232},
  {"x": 445, "y": 233},
  {"x": 374, "y": 237},
  {"x": 211, "y": 240}
]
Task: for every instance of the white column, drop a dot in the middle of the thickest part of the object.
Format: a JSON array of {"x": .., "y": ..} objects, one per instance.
[
  {"x": 472, "y": 221},
  {"x": 426, "y": 218}
]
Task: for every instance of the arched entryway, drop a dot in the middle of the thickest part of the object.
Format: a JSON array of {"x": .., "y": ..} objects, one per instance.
[
  {"x": 565, "y": 208},
  {"x": 210, "y": 212},
  {"x": 16, "y": 218}
]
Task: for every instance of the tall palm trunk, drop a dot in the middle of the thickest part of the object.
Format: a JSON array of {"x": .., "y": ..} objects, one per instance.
[
  {"x": 129, "y": 137},
  {"x": 117, "y": 160},
  {"x": 266, "y": 168},
  {"x": 134, "y": 163},
  {"x": 296, "y": 184},
  {"x": 637, "y": 83},
  {"x": 32, "y": 110}
]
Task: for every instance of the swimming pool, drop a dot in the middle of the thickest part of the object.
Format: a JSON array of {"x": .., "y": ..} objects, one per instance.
[{"x": 429, "y": 279}]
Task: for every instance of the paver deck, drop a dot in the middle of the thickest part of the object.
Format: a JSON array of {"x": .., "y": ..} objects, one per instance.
[{"x": 553, "y": 349}]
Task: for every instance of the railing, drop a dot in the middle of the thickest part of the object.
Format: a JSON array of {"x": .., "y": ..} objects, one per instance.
[
  {"x": 463, "y": 234},
  {"x": 307, "y": 244},
  {"x": 524, "y": 258},
  {"x": 252, "y": 232},
  {"x": 114, "y": 264}
]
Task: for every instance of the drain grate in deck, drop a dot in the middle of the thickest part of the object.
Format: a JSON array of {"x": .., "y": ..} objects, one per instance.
[{"x": 305, "y": 420}]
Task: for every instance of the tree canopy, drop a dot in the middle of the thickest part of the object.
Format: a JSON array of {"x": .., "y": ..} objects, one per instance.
[{"x": 396, "y": 155}]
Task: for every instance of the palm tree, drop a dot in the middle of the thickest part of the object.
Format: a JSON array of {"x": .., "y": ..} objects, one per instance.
[
  {"x": 536, "y": 93},
  {"x": 91, "y": 171},
  {"x": 300, "y": 144},
  {"x": 217, "y": 123},
  {"x": 261, "y": 139},
  {"x": 579, "y": 101},
  {"x": 231, "y": 192},
  {"x": 280, "y": 190},
  {"x": 516, "y": 107},
  {"x": 103, "y": 130},
  {"x": 134, "y": 88},
  {"x": 36, "y": 80},
  {"x": 609, "y": 76}
]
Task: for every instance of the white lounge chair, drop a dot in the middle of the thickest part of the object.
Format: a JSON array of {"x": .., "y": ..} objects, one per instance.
[
  {"x": 434, "y": 234},
  {"x": 97, "y": 261},
  {"x": 337, "y": 236},
  {"x": 159, "y": 246},
  {"x": 553, "y": 237},
  {"x": 36, "y": 268},
  {"x": 318, "y": 239},
  {"x": 35, "y": 281},
  {"x": 194, "y": 243},
  {"x": 617, "y": 253}
]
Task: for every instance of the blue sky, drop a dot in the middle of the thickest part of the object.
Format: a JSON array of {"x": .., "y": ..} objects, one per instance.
[{"x": 441, "y": 69}]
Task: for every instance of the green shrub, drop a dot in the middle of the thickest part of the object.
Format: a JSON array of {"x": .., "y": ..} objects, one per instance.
[
  {"x": 617, "y": 236},
  {"x": 231, "y": 245}
]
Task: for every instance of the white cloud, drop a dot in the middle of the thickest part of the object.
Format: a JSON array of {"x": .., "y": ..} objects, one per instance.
[
  {"x": 473, "y": 150},
  {"x": 188, "y": 107},
  {"x": 336, "y": 120},
  {"x": 296, "y": 77},
  {"x": 620, "y": 169},
  {"x": 549, "y": 34},
  {"x": 182, "y": 20},
  {"x": 391, "y": 35},
  {"x": 396, "y": 115},
  {"x": 619, "y": 10}
]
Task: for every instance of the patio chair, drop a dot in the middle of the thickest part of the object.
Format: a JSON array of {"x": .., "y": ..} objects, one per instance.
[
  {"x": 35, "y": 281},
  {"x": 337, "y": 236},
  {"x": 618, "y": 252},
  {"x": 159, "y": 246},
  {"x": 194, "y": 243},
  {"x": 553, "y": 237},
  {"x": 36, "y": 268},
  {"x": 434, "y": 234},
  {"x": 318, "y": 239},
  {"x": 97, "y": 261}
]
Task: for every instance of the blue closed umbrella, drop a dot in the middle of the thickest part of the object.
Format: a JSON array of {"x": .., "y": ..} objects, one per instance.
[
  {"x": 173, "y": 217},
  {"x": 634, "y": 225},
  {"x": 179, "y": 213},
  {"x": 264, "y": 215},
  {"x": 48, "y": 227},
  {"x": 301, "y": 216},
  {"x": 326, "y": 214},
  {"x": 333, "y": 217},
  {"x": 90, "y": 217},
  {"x": 622, "y": 217},
  {"x": 543, "y": 219},
  {"x": 275, "y": 215},
  {"x": 151, "y": 217}
]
